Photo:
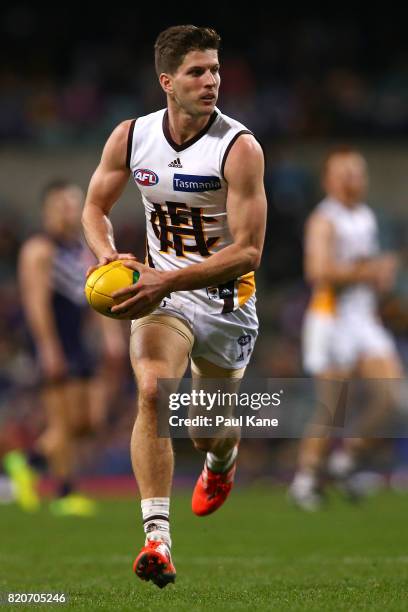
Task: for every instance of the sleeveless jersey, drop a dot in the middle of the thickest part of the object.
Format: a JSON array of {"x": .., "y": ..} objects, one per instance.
[
  {"x": 68, "y": 274},
  {"x": 70, "y": 262},
  {"x": 68, "y": 270},
  {"x": 184, "y": 193},
  {"x": 355, "y": 239}
]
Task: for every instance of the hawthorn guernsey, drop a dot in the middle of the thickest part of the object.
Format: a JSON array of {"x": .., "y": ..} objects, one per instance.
[{"x": 185, "y": 212}]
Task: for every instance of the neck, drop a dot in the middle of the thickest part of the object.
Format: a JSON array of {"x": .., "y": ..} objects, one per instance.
[
  {"x": 63, "y": 235},
  {"x": 183, "y": 126},
  {"x": 349, "y": 202}
]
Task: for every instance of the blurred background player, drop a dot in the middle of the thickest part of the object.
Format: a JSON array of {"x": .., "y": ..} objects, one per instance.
[
  {"x": 342, "y": 333},
  {"x": 52, "y": 269}
]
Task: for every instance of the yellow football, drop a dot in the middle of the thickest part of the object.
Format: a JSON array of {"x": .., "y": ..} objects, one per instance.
[{"x": 106, "y": 280}]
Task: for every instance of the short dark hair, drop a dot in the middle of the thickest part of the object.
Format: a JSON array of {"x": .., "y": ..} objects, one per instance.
[{"x": 173, "y": 44}]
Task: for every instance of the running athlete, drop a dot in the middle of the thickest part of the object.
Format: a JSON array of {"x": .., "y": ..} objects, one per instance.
[
  {"x": 200, "y": 174},
  {"x": 342, "y": 333},
  {"x": 52, "y": 269}
]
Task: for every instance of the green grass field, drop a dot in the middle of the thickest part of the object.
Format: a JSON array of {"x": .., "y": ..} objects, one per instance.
[{"x": 256, "y": 553}]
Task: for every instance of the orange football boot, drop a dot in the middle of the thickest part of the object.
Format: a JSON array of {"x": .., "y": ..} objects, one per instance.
[
  {"x": 154, "y": 563},
  {"x": 211, "y": 490}
]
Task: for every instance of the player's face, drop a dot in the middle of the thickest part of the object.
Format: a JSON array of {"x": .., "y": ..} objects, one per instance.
[
  {"x": 62, "y": 211},
  {"x": 346, "y": 177},
  {"x": 194, "y": 86}
]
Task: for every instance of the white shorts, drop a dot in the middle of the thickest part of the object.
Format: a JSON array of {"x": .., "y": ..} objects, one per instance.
[
  {"x": 227, "y": 340},
  {"x": 334, "y": 342}
]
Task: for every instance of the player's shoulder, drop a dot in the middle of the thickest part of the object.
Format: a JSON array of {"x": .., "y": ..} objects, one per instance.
[
  {"x": 137, "y": 130},
  {"x": 38, "y": 247},
  {"x": 244, "y": 157},
  {"x": 322, "y": 216},
  {"x": 229, "y": 130},
  {"x": 327, "y": 204},
  {"x": 246, "y": 145},
  {"x": 120, "y": 134},
  {"x": 329, "y": 209},
  {"x": 241, "y": 146},
  {"x": 116, "y": 149},
  {"x": 149, "y": 120}
]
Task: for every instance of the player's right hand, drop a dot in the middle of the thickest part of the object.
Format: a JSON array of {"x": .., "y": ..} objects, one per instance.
[
  {"x": 53, "y": 364},
  {"x": 105, "y": 259},
  {"x": 386, "y": 271}
]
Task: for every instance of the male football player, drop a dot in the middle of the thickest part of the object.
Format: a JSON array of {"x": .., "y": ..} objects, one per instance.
[{"x": 200, "y": 174}]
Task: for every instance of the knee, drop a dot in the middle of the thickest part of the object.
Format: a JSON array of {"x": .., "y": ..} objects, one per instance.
[
  {"x": 148, "y": 394},
  {"x": 81, "y": 428},
  {"x": 53, "y": 440}
]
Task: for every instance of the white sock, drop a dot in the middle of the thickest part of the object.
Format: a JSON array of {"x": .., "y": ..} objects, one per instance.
[
  {"x": 304, "y": 482},
  {"x": 220, "y": 465},
  {"x": 341, "y": 463},
  {"x": 155, "y": 511}
]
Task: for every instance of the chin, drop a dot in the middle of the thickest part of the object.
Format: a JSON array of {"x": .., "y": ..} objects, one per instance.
[
  {"x": 206, "y": 111},
  {"x": 356, "y": 196}
]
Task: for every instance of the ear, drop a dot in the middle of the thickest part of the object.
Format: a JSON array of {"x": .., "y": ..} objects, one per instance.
[{"x": 166, "y": 83}]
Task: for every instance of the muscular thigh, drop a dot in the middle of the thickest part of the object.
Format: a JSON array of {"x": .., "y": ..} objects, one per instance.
[
  {"x": 203, "y": 368},
  {"x": 388, "y": 366},
  {"x": 160, "y": 347},
  {"x": 211, "y": 378}
]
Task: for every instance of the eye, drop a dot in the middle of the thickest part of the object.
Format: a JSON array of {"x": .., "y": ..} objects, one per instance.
[{"x": 196, "y": 72}]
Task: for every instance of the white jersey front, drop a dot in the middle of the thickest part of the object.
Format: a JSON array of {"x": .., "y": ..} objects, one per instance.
[
  {"x": 342, "y": 325},
  {"x": 355, "y": 239},
  {"x": 184, "y": 193}
]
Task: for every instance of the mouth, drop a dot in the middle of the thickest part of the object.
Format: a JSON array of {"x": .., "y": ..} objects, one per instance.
[{"x": 208, "y": 98}]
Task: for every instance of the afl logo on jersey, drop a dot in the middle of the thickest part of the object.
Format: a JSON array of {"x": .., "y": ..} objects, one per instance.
[{"x": 145, "y": 177}]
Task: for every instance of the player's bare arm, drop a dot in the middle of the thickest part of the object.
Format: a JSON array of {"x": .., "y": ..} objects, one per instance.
[
  {"x": 246, "y": 213},
  {"x": 321, "y": 266},
  {"x": 106, "y": 186},
  {"x": 34, "y": 271}
]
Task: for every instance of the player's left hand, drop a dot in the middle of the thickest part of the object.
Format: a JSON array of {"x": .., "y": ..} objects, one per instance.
[
  {"x": 146, "y": 293},
  {"x": 105, "y": 259}
]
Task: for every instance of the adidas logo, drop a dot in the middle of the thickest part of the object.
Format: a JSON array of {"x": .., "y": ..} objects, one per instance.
[{"x": 175, "y": 163}]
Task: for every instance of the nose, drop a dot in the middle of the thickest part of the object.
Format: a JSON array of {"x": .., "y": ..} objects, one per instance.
[{"x": 211, "y": 79}]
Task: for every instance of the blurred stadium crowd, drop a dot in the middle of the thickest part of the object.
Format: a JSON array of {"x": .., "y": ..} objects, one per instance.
[
  {"x": 69, "y": 82},
  {"x": 69, "y": 79}
]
